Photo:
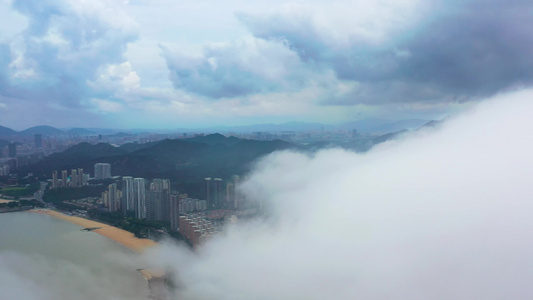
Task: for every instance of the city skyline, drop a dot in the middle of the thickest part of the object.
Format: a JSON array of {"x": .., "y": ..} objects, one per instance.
[{"x": 168, "y": 64}]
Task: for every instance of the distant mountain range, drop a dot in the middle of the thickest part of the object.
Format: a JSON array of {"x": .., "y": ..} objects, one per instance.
[
  {"x": 4, "y": 131},
  {"x": 376, "y": 126},
  {"x": 80, "y": 131},
  {"x": 44, "y": 130}
]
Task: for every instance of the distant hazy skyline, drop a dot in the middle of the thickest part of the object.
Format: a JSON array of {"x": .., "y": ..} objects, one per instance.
[{"x": 175, "y": 64}]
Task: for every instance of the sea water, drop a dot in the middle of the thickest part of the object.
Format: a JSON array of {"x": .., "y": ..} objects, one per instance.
[{"x": 42, "y": 257}]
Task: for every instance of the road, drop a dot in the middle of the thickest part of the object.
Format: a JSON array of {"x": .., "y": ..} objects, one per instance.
[{"x": 39, "y": 194}]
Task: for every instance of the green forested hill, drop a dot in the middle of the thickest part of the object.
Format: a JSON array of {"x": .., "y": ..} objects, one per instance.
[{"x": 184, "y": 161}]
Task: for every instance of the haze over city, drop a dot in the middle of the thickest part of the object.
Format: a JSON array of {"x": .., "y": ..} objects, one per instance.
[{"x": 266, "y": 149}]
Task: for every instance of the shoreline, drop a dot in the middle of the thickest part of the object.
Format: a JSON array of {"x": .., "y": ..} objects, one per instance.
[
  {"x": 120, "y": 236},
  {"x": 16, "y": 209}
]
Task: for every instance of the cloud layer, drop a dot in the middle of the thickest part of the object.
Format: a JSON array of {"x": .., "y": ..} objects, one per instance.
[
  {"x": 249, "y": 66},
  {"x": 65, "y": 45},
  {"x": 440, "y": 214},
  {"x": 404, "y": 51},
  {"x": 112, "y": 60}
]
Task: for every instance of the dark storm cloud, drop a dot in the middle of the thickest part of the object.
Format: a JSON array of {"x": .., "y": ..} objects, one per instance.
[
  {"x": 460, "y": 51},
  {"x": 64, "y": 46},
  {"x": 482, "y": 49}
]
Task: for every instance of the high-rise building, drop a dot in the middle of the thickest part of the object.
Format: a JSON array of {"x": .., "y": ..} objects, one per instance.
[
  {"x": 154, "y": 205},
  {"x": 55, "y": 182},
  {"x": 128, "y": 203},
  {"x": 80, "y": 177},
  {"x": 105, "y": 198},
  {"x": 208, "y": 192},
  {"x": 12, "y": 150},
  {"x": 86, "y": 178},
  {"x": 139, "y": 197},
  {"x": 64, "y": 176},
  {"x": 160, "y": 184},
  {"x": 38, "y": 140},
  {"x": 230, "y": 195},
  {"x": 236, "y": 180},
  {"x": 113, "y": 197},
  {"x": 217, "y": 192},
  {"x": 102, "y": 171},
  {"x": 4, "y": 170},
  {"x": 74, "y": 178},
  {"x": 157, "y": 200},
  {"x": 174, "y": 203}
]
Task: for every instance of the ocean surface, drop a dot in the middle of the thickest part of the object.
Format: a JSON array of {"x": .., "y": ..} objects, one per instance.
[{"x": 46, "y": 258}]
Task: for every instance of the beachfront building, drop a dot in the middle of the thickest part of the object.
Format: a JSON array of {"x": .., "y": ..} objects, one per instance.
[
  {"x": 139, "y": 197},
  {"x": 128, "y": 203},
  {"x": 174, "y": 201},
  {"x": 114, "y": 197},
  {"x": 157, "y": 200}
]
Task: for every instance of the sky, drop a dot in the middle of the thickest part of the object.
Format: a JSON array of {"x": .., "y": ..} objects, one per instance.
[
  {"x": 442, "y": 213},
  {"x": 175, "y": 64}
]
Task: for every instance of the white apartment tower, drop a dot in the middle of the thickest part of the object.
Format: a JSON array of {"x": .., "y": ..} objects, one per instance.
[
  {"x": 55, "y": 182},
  {"x": 139, "y": 197},
  {"x": 127, "y": 193}
]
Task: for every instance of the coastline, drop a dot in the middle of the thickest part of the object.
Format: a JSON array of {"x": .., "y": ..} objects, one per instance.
[
  {"x": 123, "y": 237},
  {"x": 16, "y": 209}
]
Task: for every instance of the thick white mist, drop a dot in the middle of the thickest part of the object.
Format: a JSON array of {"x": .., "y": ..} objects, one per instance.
[{"x": 444, "y": 213}]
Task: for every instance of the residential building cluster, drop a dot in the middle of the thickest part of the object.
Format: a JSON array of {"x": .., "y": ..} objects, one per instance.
[
  {"x": 221, "y": 195},
  {"x": 77, "y": 178},
  {"x": 189, "y": 205},
  {"x": 200, "y": 226},
  {"x": 4, "y": 169},
  {"x": 196, "y": 219},
  {"x": 154, "y": 200},
  {"x": 196, "y": 228}
]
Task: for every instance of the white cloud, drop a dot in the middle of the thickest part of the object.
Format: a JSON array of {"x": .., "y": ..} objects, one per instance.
[
  {"x": 106, "y": 106},
  {"x": 63, "y": 47},
  {"x": 338, "y": 24},
  {"x": 442, "y": 214},
  {"x": 116, "y": 78},
  {"x": 241, "y": 67},
  {"x": 355, "y": 53}
]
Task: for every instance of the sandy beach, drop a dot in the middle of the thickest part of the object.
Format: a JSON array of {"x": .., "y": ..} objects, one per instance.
[
  {"x": 5, "y": 200},
  {"x": 118, "y": 235}
]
